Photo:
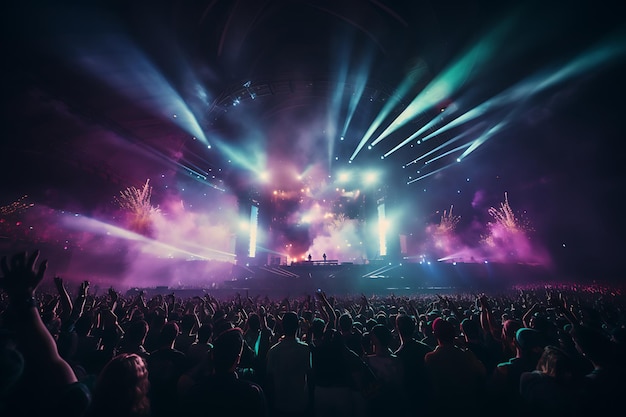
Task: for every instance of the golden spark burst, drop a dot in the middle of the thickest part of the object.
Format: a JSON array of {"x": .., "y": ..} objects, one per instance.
[
  {"x": 504, "y": 215},
  {"x": 448, "y": 221},
  {"x": 137, "y": 202}
]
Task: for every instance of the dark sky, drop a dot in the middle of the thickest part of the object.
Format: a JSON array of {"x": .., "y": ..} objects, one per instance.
[{"x": 90, "y": 93}]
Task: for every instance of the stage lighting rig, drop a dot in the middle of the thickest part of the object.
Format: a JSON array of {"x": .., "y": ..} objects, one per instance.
[{"x": 247, "y": 85}]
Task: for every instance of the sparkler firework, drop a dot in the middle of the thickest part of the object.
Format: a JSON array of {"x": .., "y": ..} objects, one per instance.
[
  {"x": 448, "y": 222},
  {"x": 441, "y": 240},
  {"x": 136, "y": 202},
  {"x": 504, "y": 216},
  {"x": 508, "y": 236}
]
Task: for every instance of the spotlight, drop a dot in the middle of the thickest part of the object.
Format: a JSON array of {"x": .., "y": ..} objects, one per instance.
[
  {"x": 371, "y": 177},
  {"x": 343, "y": 176}
]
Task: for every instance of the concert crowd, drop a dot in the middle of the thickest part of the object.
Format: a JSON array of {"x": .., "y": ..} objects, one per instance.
[{"x": 67, "y": 350}]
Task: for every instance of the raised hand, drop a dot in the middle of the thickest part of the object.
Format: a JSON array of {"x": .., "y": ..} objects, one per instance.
[
  {"x": 321, "y": 295},
  {"x": 58, "y": 281},
  {"x": 109, "y": 318},
  {"x": 21, "y": 277},
  {"x": 484, "y": 301},
  {"x": 84, "y": 288},
  {"x": 113, "y": 294},
  {"x": 364, "y": 301}
]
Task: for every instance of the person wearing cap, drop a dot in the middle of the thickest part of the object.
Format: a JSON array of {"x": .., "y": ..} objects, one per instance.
[{"x": 504, "y": 382}]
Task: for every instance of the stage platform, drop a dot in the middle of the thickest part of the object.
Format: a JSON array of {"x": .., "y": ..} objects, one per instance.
[
  {"x": 381, "y": 278},
  {"x": 129, "y": 271}
]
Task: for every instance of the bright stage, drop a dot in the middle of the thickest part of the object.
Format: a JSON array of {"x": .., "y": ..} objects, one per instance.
[
  {"x": 380, "y": 278},
  {"x": 383, "y": 277}
]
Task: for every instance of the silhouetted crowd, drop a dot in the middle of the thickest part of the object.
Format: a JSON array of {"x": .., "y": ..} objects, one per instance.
[{"x": 540, "y": 351}]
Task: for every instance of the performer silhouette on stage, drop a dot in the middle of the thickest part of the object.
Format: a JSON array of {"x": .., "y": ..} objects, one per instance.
[
  {"x": 324, "y": 256},
  {"x": 310, "y": 257}
]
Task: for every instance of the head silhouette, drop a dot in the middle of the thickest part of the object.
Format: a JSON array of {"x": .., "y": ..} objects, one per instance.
[{"x": 122, "y": 387}]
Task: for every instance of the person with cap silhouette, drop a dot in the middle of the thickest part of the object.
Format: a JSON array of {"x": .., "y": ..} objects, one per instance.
[{"x": 504, "y": 382}]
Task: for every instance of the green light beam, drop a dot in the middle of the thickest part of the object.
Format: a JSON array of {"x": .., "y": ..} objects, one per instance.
[
  {"x": 429, "y": 174},
  {"x": 451, "y": 151},
  {"x": 450, "y": 80},
  {"x": 402, "y": 91},
  {"x": 595, "y": 57},
  {"x": 482, "y": 139},
  {"x": 443, "y": 145}
]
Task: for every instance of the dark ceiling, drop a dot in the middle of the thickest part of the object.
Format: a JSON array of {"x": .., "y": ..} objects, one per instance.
[{"x": 97, "y": 85}]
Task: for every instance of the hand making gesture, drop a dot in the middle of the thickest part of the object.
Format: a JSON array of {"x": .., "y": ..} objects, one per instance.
[{"x": 20, "y": 278}]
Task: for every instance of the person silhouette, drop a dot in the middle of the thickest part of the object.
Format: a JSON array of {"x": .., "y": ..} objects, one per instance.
[
  {"x": 310, "y": 257},
  {"x": 324, "y": 256}
]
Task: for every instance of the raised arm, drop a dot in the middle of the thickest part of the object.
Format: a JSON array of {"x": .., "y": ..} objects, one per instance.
[
  {"x": 527, "y": 316},
  {"x": 114, "y": 296},
  {"x": 264, "y": 339},
  {"x": 79, "y": 302},
  {"x": 48, "y": 373},
  {"x": 486, "y": 319},
  {"x": 453, "y": 308},
  {"x": 412, "y": 309},
  {"x": 64, "y": 299},
  {"x": 564, "y": 308},
  {"x": 328, "y": 308},
  {"x": 364, "y": 305}
]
